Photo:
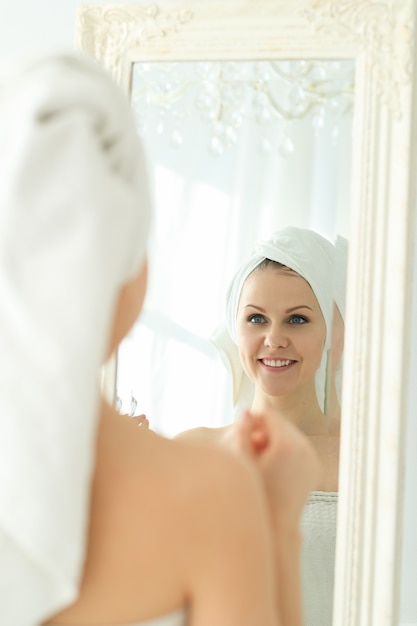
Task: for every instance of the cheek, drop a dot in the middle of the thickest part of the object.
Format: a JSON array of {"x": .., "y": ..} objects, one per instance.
[
  {"x": 247, "y": 353},
  {"x": 310, "y": 343},
  {"x": 245, "y": 341}
]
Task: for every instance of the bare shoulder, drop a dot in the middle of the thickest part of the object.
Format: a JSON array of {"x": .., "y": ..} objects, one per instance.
[
  {"x": 176, "y": 491},
  {"x": 327, "y": 448},
  {"x": 192, "y": 465},
  {"x": 164, "y": 513},
  {"x": 212, "y": 463},
  {"x": 188, "y": 473},
  {"x": 203, "y": 433},
  {"x": 206, "y": 488},
  {"x": 225, "y": 537}
]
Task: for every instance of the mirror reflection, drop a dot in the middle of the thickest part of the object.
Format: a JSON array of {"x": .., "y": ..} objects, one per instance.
[
  {"x": 247, "y": 154},
  {"x": 251, "y": 168},
  {"x": 211, "y": 207},
  {"x": 225, "y": 96},
  {"x": 283, "y": 342}
]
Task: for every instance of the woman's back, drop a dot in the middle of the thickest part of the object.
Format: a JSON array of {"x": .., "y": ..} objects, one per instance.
[
  {"x": 101, "y": 522},
  {"x": 148, "y": 516},
  {"x": 177, "y": 618}
]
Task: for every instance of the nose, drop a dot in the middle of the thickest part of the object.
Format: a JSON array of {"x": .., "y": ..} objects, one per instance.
[{"x": 275, "y": 338}]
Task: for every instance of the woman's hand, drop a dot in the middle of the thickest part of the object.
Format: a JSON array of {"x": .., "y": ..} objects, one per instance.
[
  {"x": 287, "y": 462},
  {"x": 140, "y": 420}
]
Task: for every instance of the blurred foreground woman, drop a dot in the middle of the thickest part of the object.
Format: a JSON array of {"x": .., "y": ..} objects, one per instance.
[{"x": 101, "y": 522}]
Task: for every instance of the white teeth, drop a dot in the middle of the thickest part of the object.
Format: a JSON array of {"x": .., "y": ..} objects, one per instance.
[{"x": 276, "y": 362}]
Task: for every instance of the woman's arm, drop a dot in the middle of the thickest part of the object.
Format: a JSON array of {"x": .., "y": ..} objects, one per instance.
[
  {"x": 229, "y": 549},
  {"x": 255, "y": 527},
  {"x": 289, "y": 468}
]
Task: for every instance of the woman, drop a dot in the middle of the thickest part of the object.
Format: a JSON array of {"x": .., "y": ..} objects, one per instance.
[
  {"x": 283, "y": 344},
  {"x": 103, "y": 523}
]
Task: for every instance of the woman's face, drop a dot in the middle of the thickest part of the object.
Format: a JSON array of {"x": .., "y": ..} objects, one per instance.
[{"x": 281, "y": 331}]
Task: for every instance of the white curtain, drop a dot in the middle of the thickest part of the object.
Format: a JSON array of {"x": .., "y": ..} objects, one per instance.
[{"x": 209, "y": 212}]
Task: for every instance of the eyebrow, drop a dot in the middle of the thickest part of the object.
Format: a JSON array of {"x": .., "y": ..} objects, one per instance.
[{"x": 293, "y": 308}]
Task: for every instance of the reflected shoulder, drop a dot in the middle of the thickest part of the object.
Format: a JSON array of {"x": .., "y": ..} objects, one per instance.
[{"x": 203, "y": 433}]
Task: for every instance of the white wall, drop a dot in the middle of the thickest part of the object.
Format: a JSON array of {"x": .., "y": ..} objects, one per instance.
[
  {"x": 39, "y": 24},
  {"x": 29, "y": 25},
  {"x": 36, "y": 25}
]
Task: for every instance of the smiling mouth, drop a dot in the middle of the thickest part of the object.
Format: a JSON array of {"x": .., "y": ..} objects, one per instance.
[{"x": 277, "y": 362}]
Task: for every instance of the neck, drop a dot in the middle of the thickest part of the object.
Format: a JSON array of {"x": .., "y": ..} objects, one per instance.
[
  {"x": 333, "y": 409},
  {"x": 303, "y": 410}
]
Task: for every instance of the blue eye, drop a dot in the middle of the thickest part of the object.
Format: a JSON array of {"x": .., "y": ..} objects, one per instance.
[
  {"x": 298, "y": 320},
  {"x": 257, "y": 318}
]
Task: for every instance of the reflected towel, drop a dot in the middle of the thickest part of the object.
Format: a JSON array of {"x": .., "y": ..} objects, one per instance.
[{"x": 310, "y": 255}]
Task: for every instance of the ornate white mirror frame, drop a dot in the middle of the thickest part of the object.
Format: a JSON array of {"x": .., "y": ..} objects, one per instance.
[{"x": 379, "y": 35}]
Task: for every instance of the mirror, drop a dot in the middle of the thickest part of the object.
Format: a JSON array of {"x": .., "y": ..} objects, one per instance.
[
  {"x": 377, "y": 37},
  {"x": 237, "y": 150},
  {"x": 225, "y": 143}
]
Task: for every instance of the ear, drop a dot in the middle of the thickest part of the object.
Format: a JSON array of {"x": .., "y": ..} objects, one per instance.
[{"x": 128, "y": 306}]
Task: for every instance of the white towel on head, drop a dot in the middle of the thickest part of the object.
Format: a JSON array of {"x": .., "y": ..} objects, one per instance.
[
  {"x": 74, "y": 218},
  {"x": 310, "y": 255},
  {"x": 340, "y": 273},
  {"x": 340, "y": 286}
]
